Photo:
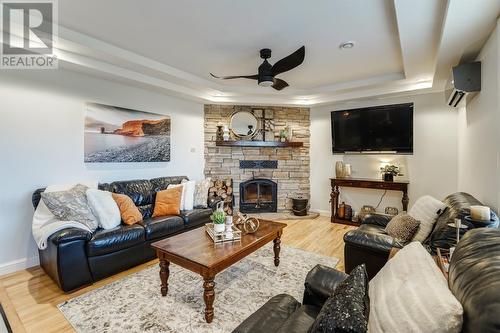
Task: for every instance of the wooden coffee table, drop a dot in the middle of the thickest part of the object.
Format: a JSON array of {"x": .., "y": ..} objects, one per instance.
[{"x": 194, "y": 250}]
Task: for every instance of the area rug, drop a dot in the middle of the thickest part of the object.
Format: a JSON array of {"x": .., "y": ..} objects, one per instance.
[{"x": 134, "y": 303}]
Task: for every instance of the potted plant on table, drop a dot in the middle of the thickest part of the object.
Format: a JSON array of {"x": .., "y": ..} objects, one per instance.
[
  {"x": 389, "y": 171},
  {"x": 218, "y": 218}
]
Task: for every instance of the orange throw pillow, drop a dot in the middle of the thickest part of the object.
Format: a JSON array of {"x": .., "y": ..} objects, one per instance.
[
  {"x": 129, "y": 212},
  {"x": 168, "y": 202}
]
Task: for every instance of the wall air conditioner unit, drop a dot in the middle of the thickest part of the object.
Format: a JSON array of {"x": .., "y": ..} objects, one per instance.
[{"x": 464, "y": 84}]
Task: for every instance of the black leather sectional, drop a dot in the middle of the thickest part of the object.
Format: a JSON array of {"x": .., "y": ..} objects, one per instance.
[
  {"x": 370, "y": 244},
  {"x": 474, "y": 281},
  {"x": 75, "y": 258}
]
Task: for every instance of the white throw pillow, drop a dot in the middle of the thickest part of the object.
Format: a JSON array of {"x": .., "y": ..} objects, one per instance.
[
  {"x": 182, "y": 194},
  {"x": 410, "y": 294},
  {"x": 201, "y": 193},
  {"x": 104, "y": 208},
  {"x": 189, "y": 187},
  {"x": 426, "y": 210}
]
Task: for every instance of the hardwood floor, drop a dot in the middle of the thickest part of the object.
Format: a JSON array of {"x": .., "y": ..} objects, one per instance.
[{"x": 30, "y": 298}]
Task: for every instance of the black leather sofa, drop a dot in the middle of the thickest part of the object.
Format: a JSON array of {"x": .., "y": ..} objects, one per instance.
[
  {"x": 370, "y": 244},
  {"x": 473, "y": 279},
  {"x": 75, "y": 258}
]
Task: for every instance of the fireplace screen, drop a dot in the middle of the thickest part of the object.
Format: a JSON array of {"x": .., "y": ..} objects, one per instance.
[{"x": 258, "y": 196}]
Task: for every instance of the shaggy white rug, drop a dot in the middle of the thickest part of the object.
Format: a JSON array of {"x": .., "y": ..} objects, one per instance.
[{"x": 134, "y": 303}]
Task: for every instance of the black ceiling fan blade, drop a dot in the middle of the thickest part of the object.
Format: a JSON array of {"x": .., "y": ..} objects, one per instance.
[
  {"x": 289, "y": 62},
  {"x": 279, "y": 84},
  {"x": 252, "y": 77}
]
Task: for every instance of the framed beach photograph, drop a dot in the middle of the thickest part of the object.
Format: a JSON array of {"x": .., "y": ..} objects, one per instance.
[{"x": 116, "y": 134}]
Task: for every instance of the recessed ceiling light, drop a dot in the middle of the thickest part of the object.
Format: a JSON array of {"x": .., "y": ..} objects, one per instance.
[{"x": 346, "y": 45}]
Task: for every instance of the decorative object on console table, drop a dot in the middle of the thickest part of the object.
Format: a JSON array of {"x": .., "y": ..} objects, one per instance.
[
  {"x": 339, "y": 169},
  {"x": 341, "y": 211},
  {"x": 222, "y": 190},
  {"x": 347, "y": 170},
  {"x": 391, "y": 211},
  {"x": 389, "y": 171},
  {"x": 336, "y": 183}
]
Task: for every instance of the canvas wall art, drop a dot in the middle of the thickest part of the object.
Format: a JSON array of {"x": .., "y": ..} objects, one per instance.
[{"x": 115, "y": 134}]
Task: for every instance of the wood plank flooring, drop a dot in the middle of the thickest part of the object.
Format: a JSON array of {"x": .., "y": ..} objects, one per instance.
[{"x": 30, "y": 297}]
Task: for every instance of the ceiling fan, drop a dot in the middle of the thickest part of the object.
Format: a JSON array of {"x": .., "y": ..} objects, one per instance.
[{"x": 267, "y": 72}]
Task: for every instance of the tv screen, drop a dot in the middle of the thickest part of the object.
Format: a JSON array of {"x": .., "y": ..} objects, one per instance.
[{"x": 387, "y": 128}]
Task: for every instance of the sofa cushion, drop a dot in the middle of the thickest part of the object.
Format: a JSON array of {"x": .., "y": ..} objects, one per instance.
[
  {"x": 128, "y": 211},
  {"x": 140, "y": 191},
  {"x": 402, "y": 227},
  {"x": 301, "y": 320},
  {"x": 426, "y": 210},
  {"x": 162, "y": 226},
  {"x": 168, "y": 202},
  {"x": 410, "y": 294},
  {"x": 196, "y": 217},
  {"x": 348, "y": 308},
  {"x": 161, "y": 183},
  {"x": 71, "y": 205},
  {"x": 271, "y": 316},
  {"x": 111, "y": 240}
]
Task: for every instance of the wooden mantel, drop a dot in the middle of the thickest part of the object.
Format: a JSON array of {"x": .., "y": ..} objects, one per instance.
[{"x": 244, "y": 143}]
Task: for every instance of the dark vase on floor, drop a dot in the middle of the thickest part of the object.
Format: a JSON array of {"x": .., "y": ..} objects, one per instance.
[{"x": 388, "y": 177}]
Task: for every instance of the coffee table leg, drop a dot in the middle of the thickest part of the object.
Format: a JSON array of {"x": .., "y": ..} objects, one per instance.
[
  {"x": 277, "y": 248},
  {"x": 164, "y": 273},
  {"x": 209, "y": 296}
]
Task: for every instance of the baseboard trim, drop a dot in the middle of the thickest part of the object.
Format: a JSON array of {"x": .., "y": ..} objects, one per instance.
[
  {"x": 17, "y": 265},
  {"x": 321, "y": 212}
]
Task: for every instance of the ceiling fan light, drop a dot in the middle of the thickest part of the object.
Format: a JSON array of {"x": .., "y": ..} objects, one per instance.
[{"x": 266, "y": 83}]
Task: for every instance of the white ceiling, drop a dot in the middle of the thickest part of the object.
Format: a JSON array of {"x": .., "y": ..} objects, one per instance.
[{"x": 173, "y": 45}]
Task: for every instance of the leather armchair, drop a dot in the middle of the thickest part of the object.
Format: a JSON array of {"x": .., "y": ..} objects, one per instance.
[
  {"x": 369, "y": 244},
  {"x": 284, "y": 314}
]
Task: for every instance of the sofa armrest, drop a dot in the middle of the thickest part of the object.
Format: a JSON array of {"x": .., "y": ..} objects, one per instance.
[
  {"x": 376, "y": 219},
  {"x": 65, "y": 259},
  {"x": 69, "y": 235},
  {"x": 320, "y": 283},
  {"x": 381, "y": 243}
]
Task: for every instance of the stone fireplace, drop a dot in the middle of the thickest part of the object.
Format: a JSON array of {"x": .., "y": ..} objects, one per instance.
[
  {"x": 258, "y": 196},
  {"x": 287, "y": 168}
]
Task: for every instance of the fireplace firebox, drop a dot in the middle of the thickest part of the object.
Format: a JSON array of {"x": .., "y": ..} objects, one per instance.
[{"x": 258, "y": 196}]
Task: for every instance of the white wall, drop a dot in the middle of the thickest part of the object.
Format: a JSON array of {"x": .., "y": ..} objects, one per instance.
[
  {"x": 41, "y": 143},
  {"x": 478, "y": 129},
  {"x": 431, "y": 169}
]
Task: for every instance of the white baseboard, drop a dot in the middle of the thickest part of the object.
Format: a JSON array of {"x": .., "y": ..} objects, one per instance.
[
  {"x": 19, "y": 264},
  {"x": 321, "y": 212}
]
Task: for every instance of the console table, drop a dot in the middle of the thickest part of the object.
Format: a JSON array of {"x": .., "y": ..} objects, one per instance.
[{"x": 364, "y": 183}]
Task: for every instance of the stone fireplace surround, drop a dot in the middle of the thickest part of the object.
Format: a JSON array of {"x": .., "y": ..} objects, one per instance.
[{"x": 292, "y": 172}]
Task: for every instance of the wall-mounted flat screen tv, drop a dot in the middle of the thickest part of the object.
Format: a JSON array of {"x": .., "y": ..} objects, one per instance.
[{"x": 379, "y": 129}]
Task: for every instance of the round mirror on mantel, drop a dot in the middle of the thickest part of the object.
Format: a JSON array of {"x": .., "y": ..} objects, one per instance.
[{"x": 243, "y": 124}]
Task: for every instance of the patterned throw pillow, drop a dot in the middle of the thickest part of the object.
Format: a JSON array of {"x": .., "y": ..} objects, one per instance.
[
  {"x": 201, "y": 193},
  {"x": 71, "y": 205},
  {"x": 402, "y": 227},
  {"x": 347, "y": 310}
]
